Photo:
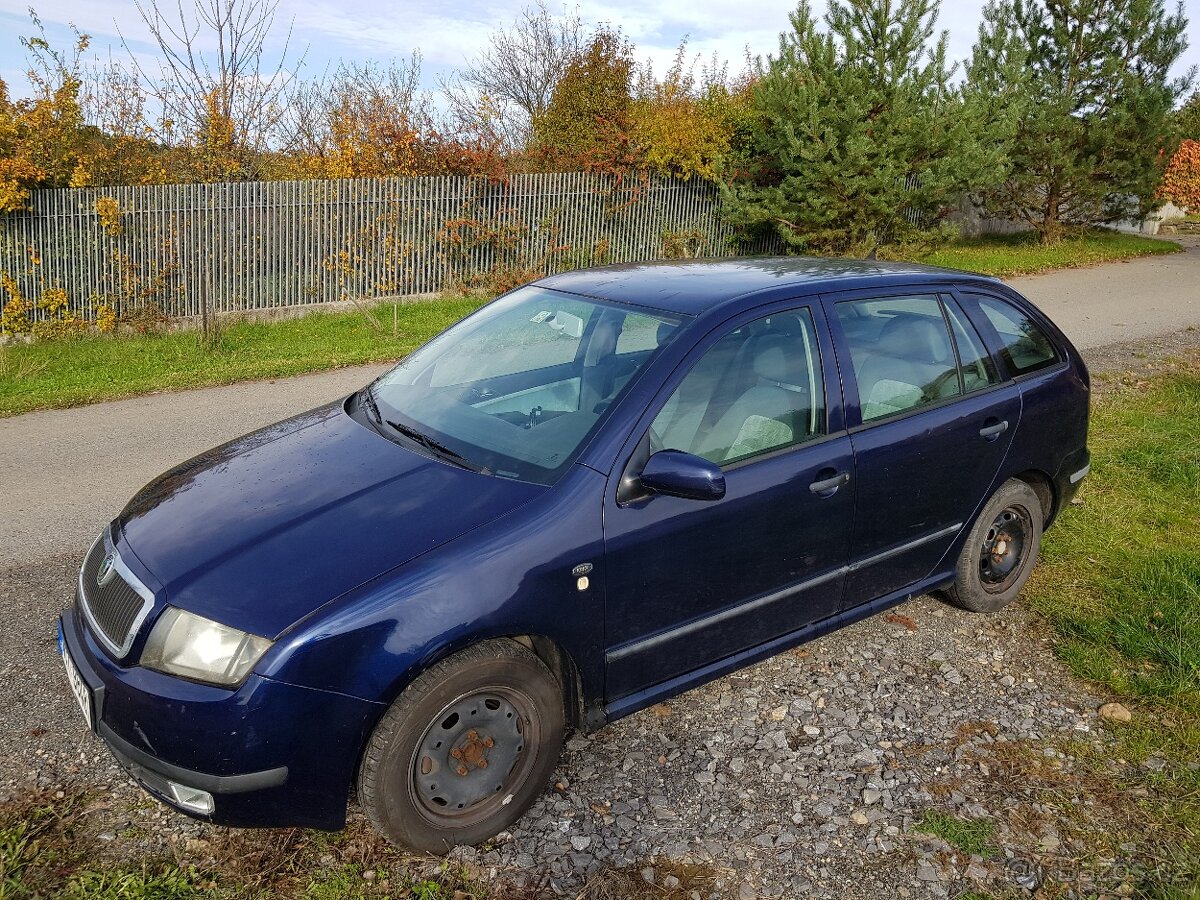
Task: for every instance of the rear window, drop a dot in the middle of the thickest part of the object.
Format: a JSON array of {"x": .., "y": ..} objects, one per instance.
[{"x": 1024, "y": 346}]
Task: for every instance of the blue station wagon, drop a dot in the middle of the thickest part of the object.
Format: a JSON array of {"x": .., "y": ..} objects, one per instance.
[{"x": 600, "y": 490}]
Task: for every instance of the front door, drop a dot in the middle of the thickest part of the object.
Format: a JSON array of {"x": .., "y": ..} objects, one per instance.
[
  {"x": 934, "y": 422},
  {"x": 691, "y": 582}
]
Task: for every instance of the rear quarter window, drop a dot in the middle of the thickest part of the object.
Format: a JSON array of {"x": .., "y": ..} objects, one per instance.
[{"x": 1024, "y": 345}]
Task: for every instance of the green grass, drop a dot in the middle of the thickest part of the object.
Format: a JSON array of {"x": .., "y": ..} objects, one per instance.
[
  {"x": 971, "y": 836},
  {"x": 1020, "y": 254},
  {"x": 49, "y": 848},
  {"x": 1120, "y": 577},
  {"x": 1120, "y": 584},
  {"x": 52, "y": 374},
  {"x": 166, "y": 883}
]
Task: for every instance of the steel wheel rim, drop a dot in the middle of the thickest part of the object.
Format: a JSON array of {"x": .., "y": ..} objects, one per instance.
[
  {"x": 1004, "y": 548},
  {"x": 473, "y": 756}
]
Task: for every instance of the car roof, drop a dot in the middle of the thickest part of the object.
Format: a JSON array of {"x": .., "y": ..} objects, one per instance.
[{"x": 697, "y": 285}]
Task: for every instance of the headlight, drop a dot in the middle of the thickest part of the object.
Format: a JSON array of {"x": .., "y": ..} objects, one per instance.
[{"x": 194, "y": 647}]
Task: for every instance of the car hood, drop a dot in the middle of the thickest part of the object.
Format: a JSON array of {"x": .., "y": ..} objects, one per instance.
[{"x": 260, "y": 532}]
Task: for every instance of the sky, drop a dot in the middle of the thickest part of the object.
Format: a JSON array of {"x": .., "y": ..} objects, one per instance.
[{"x": 361, "y": 30}]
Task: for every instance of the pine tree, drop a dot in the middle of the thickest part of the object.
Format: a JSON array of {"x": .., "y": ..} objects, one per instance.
[
  {"x": 1087, "y": 83},
  {"x": 860, "y": 139}
]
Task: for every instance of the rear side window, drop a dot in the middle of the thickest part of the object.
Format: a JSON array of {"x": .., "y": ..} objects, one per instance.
[
  {"x": 1024, "y": 346},
  {"x": 902, "y": 353},
  {"x": 978, "y": 369}
]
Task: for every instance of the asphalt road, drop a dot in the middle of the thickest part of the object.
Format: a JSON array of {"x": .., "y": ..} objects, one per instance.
[
  {"x": 1121, "y": 302},
  {"x": 65, "y": 473}
]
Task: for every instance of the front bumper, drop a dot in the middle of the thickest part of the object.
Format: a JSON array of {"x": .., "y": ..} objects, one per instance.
[{"x": 268, "y": 754}]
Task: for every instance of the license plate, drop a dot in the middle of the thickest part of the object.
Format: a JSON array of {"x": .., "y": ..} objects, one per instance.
[{"x": 78, "y": 686}]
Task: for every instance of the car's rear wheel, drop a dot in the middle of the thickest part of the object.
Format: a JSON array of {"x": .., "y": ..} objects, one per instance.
[
  {"x": 1000, "y": 551},
  {"x": 464, "y": 750}
]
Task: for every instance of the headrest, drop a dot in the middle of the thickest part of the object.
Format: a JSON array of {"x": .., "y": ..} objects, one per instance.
[
  {"x": 916, "y": 338},
  {"x": 776, "y": 359},
  {"x": 664, "y": 333}
]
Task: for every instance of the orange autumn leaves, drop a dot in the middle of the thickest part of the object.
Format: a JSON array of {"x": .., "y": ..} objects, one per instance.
[{"x": 1181, "y": 181}]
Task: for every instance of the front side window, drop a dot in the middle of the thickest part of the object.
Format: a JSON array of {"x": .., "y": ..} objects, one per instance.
[
  {"x": 756, "y": 390},
  {"x": 1024, "y": 346},
  {"x": 516, "y": 389},
  {"x": 902, "y": 353}
]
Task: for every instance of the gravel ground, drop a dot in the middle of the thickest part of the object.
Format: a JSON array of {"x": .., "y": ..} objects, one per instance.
[{"x": 802, "y": 776}]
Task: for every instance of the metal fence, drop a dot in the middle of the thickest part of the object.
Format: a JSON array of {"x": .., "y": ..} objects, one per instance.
[{"x": 259, "y": 245}]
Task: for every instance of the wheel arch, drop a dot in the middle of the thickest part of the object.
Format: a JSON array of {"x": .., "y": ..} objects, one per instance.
[
  {"x": 560, "y": 662},
  {"x": 556, "y": 658},
  {"x": 1042, "y": 485}
]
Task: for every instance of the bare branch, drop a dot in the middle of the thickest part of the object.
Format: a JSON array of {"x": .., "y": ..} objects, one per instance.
[
  {"x": 513, "y": 79},
  {"x": 212, "y": 61}
]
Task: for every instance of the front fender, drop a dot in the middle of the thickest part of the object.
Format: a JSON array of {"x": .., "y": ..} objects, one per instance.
[{"x": 512, "y": 576}]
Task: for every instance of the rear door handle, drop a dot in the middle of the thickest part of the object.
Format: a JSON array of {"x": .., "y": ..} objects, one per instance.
[
  {"x": 991, "y": 432},
  {"x": 829, "y": 485}
]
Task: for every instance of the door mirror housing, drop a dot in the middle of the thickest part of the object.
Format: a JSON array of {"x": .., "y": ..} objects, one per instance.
[{"x": 674, "y": 473}]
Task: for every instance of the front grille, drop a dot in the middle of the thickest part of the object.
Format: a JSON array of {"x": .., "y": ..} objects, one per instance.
[{"x": 113, "y": 607}]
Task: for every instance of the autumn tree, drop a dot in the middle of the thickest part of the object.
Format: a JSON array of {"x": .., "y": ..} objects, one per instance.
[
  {"x": 1087, "y": 83},
  {"x": 223, "y": 103},
  {"x": 860, "y": 139},
  {"x": 686, "y": 126},
  {"x": 361, "y": 121},
  {"x": 18, "y": 173},
  {"x": 1181, "y": 181},
  {"x": 122, "y": 148},
  {"x": 511, "y": 82},
  {"x": 43, "y": 137},
  {"x": 587, "y": 122}
]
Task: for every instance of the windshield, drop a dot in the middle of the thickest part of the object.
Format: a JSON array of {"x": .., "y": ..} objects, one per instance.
[{"x": 518, "y": 387}]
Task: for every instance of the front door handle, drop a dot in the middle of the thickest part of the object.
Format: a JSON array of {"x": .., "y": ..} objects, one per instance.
[
  {"x": 827, "y": 486},
  {"x": 991, "y": 432}
]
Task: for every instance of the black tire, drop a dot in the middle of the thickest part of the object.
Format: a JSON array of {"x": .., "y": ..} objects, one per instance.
[
  {"x": 490, "y": 720},
  {"x": 1000, "y": 551}
]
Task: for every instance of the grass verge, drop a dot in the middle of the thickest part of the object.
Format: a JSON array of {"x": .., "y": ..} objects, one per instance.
[
  {"x": 1120, "y": 584},
  {"x": 1020, "y": 254},
  {"x": 49, "y": 848},
  {"x": 52, "y": 374},
  {"x": 55, "y": 374}
]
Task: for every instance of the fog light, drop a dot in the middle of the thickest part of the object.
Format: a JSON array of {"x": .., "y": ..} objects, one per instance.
[{"x": 192, "y": 799}]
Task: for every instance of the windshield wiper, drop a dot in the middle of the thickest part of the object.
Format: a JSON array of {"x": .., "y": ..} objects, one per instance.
[
  {"x": 439, "y": 450},
  {"x": 372, "y": 406}
]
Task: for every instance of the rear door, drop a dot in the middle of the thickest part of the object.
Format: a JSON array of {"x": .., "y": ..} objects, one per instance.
[{"x": 930, "y": 420}]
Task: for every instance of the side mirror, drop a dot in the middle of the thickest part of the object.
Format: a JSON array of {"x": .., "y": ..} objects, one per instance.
[{"x": 678, "y": 474}]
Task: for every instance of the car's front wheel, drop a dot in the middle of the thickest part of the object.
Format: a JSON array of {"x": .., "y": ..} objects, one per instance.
[
  {"x": 1000, "y": 551},
  {"x": 464, "y": 750}
]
